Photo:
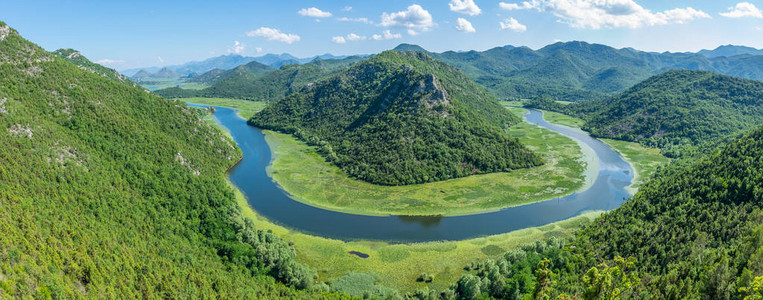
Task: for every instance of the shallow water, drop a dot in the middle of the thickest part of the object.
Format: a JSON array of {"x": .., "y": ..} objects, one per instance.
[{"x": 606, "y": 193}]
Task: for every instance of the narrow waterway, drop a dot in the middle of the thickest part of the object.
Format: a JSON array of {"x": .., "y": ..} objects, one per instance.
[{"x": 607, "y": 192}]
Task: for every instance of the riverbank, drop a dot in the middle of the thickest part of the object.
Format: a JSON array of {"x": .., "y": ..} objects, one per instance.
[
  {"x": 644, "y": 161},
  {"x": 306, "y": 175},
  {"x": 399, "y": 265}
]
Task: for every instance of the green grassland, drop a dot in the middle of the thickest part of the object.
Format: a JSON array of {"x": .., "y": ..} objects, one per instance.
[
  {"x": 301, "y": 171},
  {"x": 161, "y": 83},
  {"x": 645, "y": 161},
  {"x": 399, "y": 265},
  {"x": 246, "y": 109}
]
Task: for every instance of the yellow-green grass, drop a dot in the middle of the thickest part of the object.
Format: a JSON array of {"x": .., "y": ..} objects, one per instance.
[
  {"x": 306, "y": 175},
  {"x": 398, "y": 265},
  {"x": 246, "y": 109},
  {"x": 562, "y": 119},
  {"x": 645, "y": 161},
  {"x": 193, "y": 86},
  {"x": 564, "y": 102}
]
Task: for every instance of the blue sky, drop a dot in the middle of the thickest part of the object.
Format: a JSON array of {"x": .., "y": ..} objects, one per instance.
[{"x": 128, "y": 34}]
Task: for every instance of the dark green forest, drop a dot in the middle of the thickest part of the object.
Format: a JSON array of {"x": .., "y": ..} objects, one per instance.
[
  {"x": 402, "y": 118},
  {"x": 107, "y": 191},
  {"x": 694, "y": 232},
  {"x": 676, "y": 111}
]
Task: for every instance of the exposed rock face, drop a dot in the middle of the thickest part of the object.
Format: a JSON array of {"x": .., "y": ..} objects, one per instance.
[
  {"x": 19, "y": 130},
  {"x": 5, "y": 30},
  {"x": 3, "y": 110}
]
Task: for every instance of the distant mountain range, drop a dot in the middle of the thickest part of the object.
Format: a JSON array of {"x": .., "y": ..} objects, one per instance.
[
  {"x": 581, "y": 71},
  {"x": 226, "y": 62}
]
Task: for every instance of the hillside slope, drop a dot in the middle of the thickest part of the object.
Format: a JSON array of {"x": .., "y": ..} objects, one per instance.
[
  {"x": 107, "y": 191},
  {"x": 677, "y": 108},
  {"x": 402, "y": 118},
  {"x": 81, "y": 61},
  {"x": 694, "y": 232}
]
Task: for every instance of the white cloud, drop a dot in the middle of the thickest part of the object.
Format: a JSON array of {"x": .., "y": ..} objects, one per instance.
[
  {"x": 743, "y": 9},
  {"x": 361, "y": 20},
  {"x": 237, "y": 48},
  {"x": 258, "y": 49},
  {"x": 467, "y": 7},
  {"x": 515, "y": 6},
  {"x": 272, "y": 34},
  {"x": 160, "y": 59},
  {"x": 412, "y": 32},
  {"x": 314, "y": 12},
  {"x": 347, "y": 8},
  {"x": 338, "y": 40},
  {"x": 386, "y": 35},
  {"x": 355, "y": 37},
  {"x": 513, "y": 25},
  {"x": 464, "y": 26},
  {"x": 415, "y": 17},
  {"x": 595, "y": 14},
  {"x": 108, "y": 61},
  {"x": 350, "y": 37}
]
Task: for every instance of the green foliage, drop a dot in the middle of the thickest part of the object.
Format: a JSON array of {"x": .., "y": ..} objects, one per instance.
[
  {"x": 76, "y": 58},
  {"x": 676, "y": 111},
  {"x": 695, "y": 231},
  {"x": 253, "y": 84},
  {"x": 401, "y": 118},
  {"x": 107, "y": 191}
]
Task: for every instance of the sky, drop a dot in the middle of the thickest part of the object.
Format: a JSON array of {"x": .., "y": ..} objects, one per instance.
[{"x": 131, "y": 34}]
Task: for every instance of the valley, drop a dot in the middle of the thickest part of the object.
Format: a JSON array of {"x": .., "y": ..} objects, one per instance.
[{"x": 514, "y": 150}]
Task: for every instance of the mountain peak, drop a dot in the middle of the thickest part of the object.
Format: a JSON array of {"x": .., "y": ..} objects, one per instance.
[{"x": 409, "y": 47}]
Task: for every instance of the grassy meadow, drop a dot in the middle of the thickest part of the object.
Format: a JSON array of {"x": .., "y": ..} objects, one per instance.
[{"x": 301, "y": 171}]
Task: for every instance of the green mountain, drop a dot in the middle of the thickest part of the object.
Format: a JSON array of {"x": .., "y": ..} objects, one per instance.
[
  {"x": 730, "y": 50},
  {"x": 581, "y": 71},
  {"x": 242, "y": 83},
  {"x": 677, "y": 108},
  {"x": 401, "y": 118},
  {"x": 81, "y": 61},
  {"x": 694, "y": 232},
  {"x": 248, "y": 71},
  {"x": 107, "y": 191}
]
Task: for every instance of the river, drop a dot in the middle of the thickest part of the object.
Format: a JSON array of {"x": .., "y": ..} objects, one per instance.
[{"x": 607, "y": 192}]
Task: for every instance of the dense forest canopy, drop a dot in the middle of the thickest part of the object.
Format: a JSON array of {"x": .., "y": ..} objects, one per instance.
[
  {"x": 694, "y": 232},
  {"x": 108, "y": 191},
  {"x": 674, "y": 110},
  {"x": 402, "y": 118}
]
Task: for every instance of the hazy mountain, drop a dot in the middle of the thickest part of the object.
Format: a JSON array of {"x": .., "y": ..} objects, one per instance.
[
  {"x": 730, "y": 50},
  {"x": 265, "y": 86}
]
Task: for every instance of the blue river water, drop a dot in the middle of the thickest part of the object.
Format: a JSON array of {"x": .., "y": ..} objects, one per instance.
[{"x": 268, "y": 199}]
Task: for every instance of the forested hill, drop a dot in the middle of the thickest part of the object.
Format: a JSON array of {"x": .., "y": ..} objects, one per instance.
[
  {"x": 402, "y": 118},
  {"x": 107, "y": 191},
  {"x": 249, "y": 71},
  {"x": 691, "y": 233},
  {"x": 253, "y": 84},
  {"x": 579, "y": 71},
  {"x": 81, "y": 61},
  {"x": 677, "y": 108}
]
